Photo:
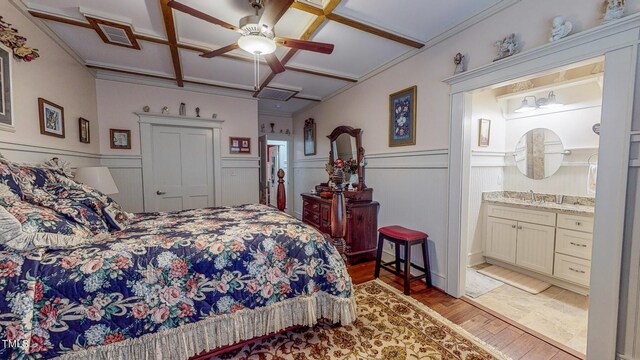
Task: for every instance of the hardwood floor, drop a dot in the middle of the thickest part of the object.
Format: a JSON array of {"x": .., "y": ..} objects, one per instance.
[{"x": 507, "y": 338}]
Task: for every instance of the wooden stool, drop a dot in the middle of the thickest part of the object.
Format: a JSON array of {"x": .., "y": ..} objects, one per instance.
[{"x": 401, "y": 236}]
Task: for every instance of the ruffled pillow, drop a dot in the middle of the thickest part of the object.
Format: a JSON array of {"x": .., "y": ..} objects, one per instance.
[
  {"x": 24, "y": 226},
  {"x": 7, "y": 176}
]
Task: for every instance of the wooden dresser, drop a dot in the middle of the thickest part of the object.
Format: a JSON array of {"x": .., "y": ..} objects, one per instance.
[{"x": 362, "y": 224}]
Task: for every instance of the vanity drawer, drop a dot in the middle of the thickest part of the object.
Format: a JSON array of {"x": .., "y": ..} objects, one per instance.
[
  {"x": 572, "y": 269},
  {"x": 575, "y": 222},
  {"x": 574, "y": 243},
  {"x": 524, "y": 215}
]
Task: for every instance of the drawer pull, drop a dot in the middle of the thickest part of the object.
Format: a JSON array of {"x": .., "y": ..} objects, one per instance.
[
  {"x": 578, "y": 245},
  {"x": 577, "y": 271},
  {"x": 578, "y": 223},
  {"x": 513, "y": 226},
  {"x": 519, "y": 227}
]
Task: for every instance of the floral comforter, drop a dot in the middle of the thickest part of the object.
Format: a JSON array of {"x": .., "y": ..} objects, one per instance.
[{"x": 163, "y": 271}]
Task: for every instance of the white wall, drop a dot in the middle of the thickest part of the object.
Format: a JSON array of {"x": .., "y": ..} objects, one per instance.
[
  {"x": 55, "y": 76},
  {"x": 281, "y": 123}
]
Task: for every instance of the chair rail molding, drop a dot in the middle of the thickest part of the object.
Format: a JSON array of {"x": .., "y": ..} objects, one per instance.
[
  {"x": 616, "y": 42},
  {"x": 149, "y": 120}
]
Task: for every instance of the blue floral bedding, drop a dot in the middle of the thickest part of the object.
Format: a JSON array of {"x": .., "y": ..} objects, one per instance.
[{"x": 165, "y": 270}]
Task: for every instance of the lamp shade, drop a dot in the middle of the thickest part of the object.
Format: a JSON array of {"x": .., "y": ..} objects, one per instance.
[
  {"x": 98, "y": 177},
  {"x": 257, "y": 44}
]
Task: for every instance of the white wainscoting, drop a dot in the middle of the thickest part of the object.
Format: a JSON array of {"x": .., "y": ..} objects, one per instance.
[
  {"x": 127, "y": 174},
  {"x": 411, "y": 189},
  {"x": 240, "y": 180}
]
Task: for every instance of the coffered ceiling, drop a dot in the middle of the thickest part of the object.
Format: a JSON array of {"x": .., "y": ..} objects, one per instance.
[{"x": 367, "y": 34}]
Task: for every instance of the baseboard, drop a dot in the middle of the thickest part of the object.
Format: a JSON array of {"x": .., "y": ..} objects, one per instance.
[{"x": 476, "y": 258}]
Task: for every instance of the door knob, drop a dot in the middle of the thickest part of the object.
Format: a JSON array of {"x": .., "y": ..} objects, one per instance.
[{"x": 160, "y": 192}]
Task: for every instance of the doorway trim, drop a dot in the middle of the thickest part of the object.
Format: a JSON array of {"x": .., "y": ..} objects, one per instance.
[
  {"x": 618, "y": 43},
  {"x": 148, "y": 121}
]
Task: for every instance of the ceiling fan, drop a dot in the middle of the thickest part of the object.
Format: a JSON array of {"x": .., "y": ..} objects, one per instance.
[{"x": 257, "y": 33}]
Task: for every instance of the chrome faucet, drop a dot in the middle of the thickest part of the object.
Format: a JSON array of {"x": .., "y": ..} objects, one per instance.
[{"x": 533, "y": 196}]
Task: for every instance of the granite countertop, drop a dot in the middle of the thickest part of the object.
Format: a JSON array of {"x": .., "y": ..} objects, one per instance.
[{"x": 575, "y": 205}]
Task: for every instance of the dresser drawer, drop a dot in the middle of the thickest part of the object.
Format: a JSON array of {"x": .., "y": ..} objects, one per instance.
[
  {"x": 325, "y": 212},
  {"x": 574, "y": 243},
  {"x": 311, "y": 218},
  {"x": 572, "y": 269},
  {"x": 311, "y": 206},
  {"x": 575, "y": 222},
  {"x": 524, "y": 215}
]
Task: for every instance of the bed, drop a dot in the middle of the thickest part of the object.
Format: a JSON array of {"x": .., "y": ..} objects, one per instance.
[{"x": 166, "y": 285}]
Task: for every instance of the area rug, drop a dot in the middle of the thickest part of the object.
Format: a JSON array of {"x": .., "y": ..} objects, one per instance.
[
  {"x": 389, "y": 326},
  {"x": 521, "y": 281},
  {"x": 477, "y": 284}
]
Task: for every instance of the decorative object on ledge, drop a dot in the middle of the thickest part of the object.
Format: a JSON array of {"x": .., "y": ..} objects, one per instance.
[
  {"x": 459, "y": 61},
  {"x": 6, "y": 95},
  {"x": 165, "y": 110},
  {"x": 197, "y": 112},
  {"x": 146, "y": 108},
  {"x": 239, "y": 145},
  {"x": 182, "y": 110},
  {"x": 561, "y": 28},
  {"x": 288, "y": 132},
  {"x": 17, "y": 43},
  {"x": 214, "y": 116},
  {"x": 402, "y": 117},
  {"x": 262, "y": 128},
  {"x": 120, "y": 139},
  {"x": 309, "y": 137},
  {"x": 51, "y": 118},
  {"x": 84, "y": 130},
  {"x": 484, "y": 132},
  {"x": 613, "y": 10},
  {"x": 507, "y": 47},
  {"x": 272, "y": 125}
]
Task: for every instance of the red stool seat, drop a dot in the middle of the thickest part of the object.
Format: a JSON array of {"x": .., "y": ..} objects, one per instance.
[{"x": 402, "y": 233}]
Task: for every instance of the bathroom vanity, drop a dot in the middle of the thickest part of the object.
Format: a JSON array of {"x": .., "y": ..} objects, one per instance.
[{"x": 534, "y": 235}]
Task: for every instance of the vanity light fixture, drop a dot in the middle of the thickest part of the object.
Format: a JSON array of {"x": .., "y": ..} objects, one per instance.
[{"x": 549, "y": 102}]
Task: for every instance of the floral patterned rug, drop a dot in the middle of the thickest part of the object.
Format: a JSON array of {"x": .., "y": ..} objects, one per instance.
[{"x": 389, "y": 326}]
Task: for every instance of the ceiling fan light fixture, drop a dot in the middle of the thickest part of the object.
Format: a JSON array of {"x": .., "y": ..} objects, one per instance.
[{"x": 257, "y": 44}]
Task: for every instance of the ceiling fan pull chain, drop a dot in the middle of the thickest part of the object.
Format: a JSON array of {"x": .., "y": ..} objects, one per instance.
[{"x": 256, "y": 70}]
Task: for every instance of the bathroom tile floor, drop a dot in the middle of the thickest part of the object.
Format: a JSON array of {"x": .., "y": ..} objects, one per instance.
[{"x": 556, "y": 313}]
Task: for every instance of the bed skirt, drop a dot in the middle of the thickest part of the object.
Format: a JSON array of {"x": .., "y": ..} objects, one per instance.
[{"x": 189, "y": 340}]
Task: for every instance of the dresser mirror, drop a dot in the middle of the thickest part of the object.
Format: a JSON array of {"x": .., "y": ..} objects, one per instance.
[
  {"x": 539, "y": 153},
  {"x": 346, "y": 144}
]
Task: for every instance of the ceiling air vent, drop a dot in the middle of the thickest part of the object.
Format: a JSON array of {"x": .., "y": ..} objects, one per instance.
[
  {"x": 114, "y": 33},
  {"x": 276, "y": 93}
]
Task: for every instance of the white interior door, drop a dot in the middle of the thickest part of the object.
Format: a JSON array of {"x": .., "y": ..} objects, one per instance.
[
  {"x": 262, "y": 153},
  {"x": 182, "y": 168}
]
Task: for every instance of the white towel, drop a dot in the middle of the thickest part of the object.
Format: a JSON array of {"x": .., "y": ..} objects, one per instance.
[{"x": 592, "y": 176}]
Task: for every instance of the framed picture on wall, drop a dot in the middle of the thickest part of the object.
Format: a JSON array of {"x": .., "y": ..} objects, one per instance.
[
  {"x": 6, "y": 120},
  {"x": 402, "y": 117},
  {"x": 51, "y": 118},
  {"x": 239, "y": 145},
  {"x": 120, "y": 139},
  {"x": 309, "y": 137},
  {"x": 484, "y": 132},
  {"x": 84, "y": 131}
]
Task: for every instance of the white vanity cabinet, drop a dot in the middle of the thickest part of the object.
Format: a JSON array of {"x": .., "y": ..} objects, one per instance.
[
  {"x": 512, "y": 240},
  {"x": 551, "y": 245}
]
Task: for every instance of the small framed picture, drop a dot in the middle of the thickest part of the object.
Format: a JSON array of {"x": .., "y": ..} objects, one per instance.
[
  {"x": 402, "y": 117},
  {"x": 309, "y": 137},
  {"x": 239, "y": 145},
  {"x": 120, "y": 139},
  {"x": 484, "y": 132},
  {"x": 84, "y": 131},
  {"x": 51, "y": 118}
]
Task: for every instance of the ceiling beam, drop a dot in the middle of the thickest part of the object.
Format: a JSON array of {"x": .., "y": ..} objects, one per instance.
[
  {"x": 45, "y": 16},
  {"x": 170, "y": 28},
  {"x": 372, "y": 30}
]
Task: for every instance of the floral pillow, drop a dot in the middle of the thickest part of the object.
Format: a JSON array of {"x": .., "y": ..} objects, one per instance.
[
  {"x": 24, "y": 226},
  {"x": 7, "y": 178}
]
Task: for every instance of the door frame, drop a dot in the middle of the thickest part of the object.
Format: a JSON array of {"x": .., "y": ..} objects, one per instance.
[
  {"x": 148, "y": 121},
  {"x": 289, "y": 185},
  {"x": 617, "y": 42}
]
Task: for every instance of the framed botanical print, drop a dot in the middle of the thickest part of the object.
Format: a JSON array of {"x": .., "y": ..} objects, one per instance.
[
  {"x": 84, "y": 131},
  {"x": 309, "y": 137},
  {"x": 6, "y": 120},
  {"x": 120, "y": 139},
  {"x": 484, "y": 132},
  {"x": 51, "y": 118},
  {"x": 402, "y": 117},
  {"x": 239, "y": 145}
]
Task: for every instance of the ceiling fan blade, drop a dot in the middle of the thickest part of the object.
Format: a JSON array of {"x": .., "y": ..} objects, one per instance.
[
  {"x": 273, "y": 11},
  {"x": 200, "y": 15},
  {"x": 275, "y": 64},
  {"x": 220, "y": 51},
  {"x": 323, "y": 48}
]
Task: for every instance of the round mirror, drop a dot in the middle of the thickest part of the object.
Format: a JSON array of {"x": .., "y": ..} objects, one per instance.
[{"x": 539, "y": 153}]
